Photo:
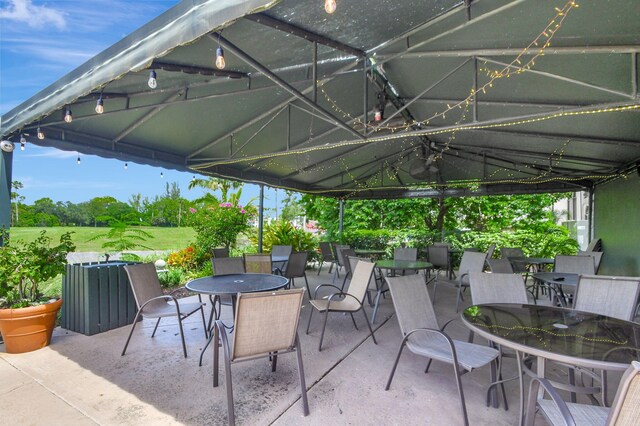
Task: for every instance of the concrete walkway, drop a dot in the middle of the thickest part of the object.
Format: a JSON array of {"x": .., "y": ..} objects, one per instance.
[{"x": 80, "y": 380}]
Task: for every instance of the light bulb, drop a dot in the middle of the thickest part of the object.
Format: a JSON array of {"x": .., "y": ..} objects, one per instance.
[
  {"x": 78, "y": 160},
  {"x": 220, "y": 63},
  {"x": 329, "y": 6},
  {"x": 126, "y": 166},
  {"x": 377, "y": 115},
  {"x": 23, "y": 139},
  {"x": 100, "y": 106},
  {"x": 153, "y": 83},
  {"x": 161, "y": 174},
  {"x": 22, "y": 144},
  {"x": 68, "y": 117},
  {"x": 40, "y": 133}
]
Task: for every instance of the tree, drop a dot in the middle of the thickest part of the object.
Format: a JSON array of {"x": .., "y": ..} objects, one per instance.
[
  {"x": 15, "y": 200},
  {"x": 216, "y": 184},
  {"x": 292, "y": 208}
]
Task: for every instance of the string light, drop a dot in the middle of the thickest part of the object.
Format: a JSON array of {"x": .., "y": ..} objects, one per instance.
[
  {"x": 126, "y": 166},
  {"x": 100, "y": 105},
  {"x": 68, "y": 117},
  {"x": 153, "y": 83},
  {"x": 78, "y": 160},
  {"x": 161, "y": 175},
  {"x": 220, "y": 62},
  {"x": 40, "y": 133},
  {"x": 23, "y": 141},
  {"x": 330, "y": 6}
]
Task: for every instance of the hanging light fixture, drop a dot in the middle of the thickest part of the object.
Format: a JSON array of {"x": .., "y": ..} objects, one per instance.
[
  {"x": 153, "y": 83},
  {"x": 40, "y": 133},
  {"x": 330, "y": 6},
  {"x": 68, "y": 117},
  {"x": 220, "y": 62},
  {"x": 78, "y": 160},
  {"x": 161, "y": 175},
  {"x": 100, "y": 105},
  {"x": 23, "y": 142},
  {"x": 126, "y": 166}
]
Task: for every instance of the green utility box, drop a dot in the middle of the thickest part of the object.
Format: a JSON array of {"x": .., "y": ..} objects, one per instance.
[{"x": 97, "y": 297}]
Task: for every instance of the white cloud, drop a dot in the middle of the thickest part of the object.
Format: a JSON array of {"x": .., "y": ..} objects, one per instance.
[
  {"x": 25, "y": 11},
  {"x": 51, "y": 153}
]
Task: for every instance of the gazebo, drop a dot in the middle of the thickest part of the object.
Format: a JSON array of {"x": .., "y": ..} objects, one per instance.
[{"x": 378, "y": 99}]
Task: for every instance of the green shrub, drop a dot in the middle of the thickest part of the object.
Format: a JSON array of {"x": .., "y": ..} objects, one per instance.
[
  {"x": 281, "y": 232},
  {"x": 172, "y": 277}
]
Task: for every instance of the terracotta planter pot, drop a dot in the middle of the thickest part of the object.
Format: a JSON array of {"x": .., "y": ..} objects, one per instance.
[{"x": 28, "y": 329}]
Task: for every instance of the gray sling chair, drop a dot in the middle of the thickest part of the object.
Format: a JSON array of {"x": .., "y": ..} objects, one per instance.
[
  {"x": 346, "y": 253},
  {"x": 573, "y": 265},
  {"x": 258, "y": 263},
  {"x": 624, "y": 411},
  {"x": 280, "y": 251},
  {"x": 152, "y": 303},
  {"x": 224, "y": 266},
  {"x": 337, "y": 249},
  {"x": 296, "y": 268},
  {"x": 440, "y": 259},
  {"x": 220, "y": 252},
  {"x": 597, "y": 257},
  {"x": 615, "y": 297},
  {"x": 326, "y": 256},
  {"x": 471, "y": 262},
  {"x": 375, "y": 284},
  {"x": 349, "y": 301},
  {"x": 405, "y": 253},
  {"x": 265, "y": 326},
  {"x": 497, "y": 288},
  {"x": 423, "y": 336}
]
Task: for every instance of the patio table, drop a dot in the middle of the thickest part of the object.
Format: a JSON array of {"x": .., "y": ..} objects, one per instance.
[
  {"x": 376, "y": 253},
  {"x": 564, "y": 335},
  {"x": 392, "y": 266},
  {"x": 217, "y": 286},
  {"x": 535, "y": 264},
  {"x": 555, "y": 281}
]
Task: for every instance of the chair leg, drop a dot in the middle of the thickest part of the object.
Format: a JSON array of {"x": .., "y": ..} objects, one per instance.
[
  {"x": 309, "y": 322},
  {"x": 320, "y": 267},
  {"x": 229, "y": 388},
  {"x": 369, "y": 325},
  {"x": 204, "y": 323},
  {"x": 426, "y": 370},
  {"x": 375, "y": 306},
  {"x": 274, "y": 362},
  {"x": 461, "y": 394},
  {"x": 156, "y": 327},
  {"x": 133, "y": 326},
  {"x": 395, "y": 364},
  {"x": 184, "y": 345},
  {"x": 324, "y": 325},
  {"x": 307, "y": 284},
  {"x": 303, "y": 385},
  {"x": 216, "y": 355},
  {"x": 435, "y": 289},
  {"x": 354, "y": 321},
  {"x": 458, "y": 298}
]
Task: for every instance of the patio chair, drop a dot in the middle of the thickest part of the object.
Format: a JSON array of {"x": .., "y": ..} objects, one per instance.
[
  {"x": 337, "y": 249},
  {"x": 265, "y": 326},
  {"x": 220, "y": 252},
  {"x": 501, "y": 266},
  {"x": 227, "y": 265},
  {"x": 497, "y": 288},
  {"x": 351, "y": 300},
  {"x": 575, "y": 264},
  {"x": 326, "y": 256},
  {"x": 615, "y": 297},
  {"x": 280, "y": 251},
  {"x": 423, "y": 336},
  {"x": 490, "y": 251},
  {"x": 405, "y": 253},
  {"x": 440, "y": 259},
  {"x": 152, "y": 303},
  {"x": 257, "y": 263},
  {"x": 625, "y": 409},
  {"x": 296, "y": 268},
  {"x": 471, "y": 262},
  {"x": 597, "y": 257},
  {"x": 518, "y": 267},
  {"x": 374, "y": 283},
  {"x": 224, "y": 266},
  {"x": 346, "y": 254}
]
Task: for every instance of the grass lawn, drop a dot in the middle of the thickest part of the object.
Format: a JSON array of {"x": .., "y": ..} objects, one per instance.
[{"x": 163, "y": 238}]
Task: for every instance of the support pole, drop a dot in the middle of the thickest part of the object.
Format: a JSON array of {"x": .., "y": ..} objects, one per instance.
[
  {"x": 341, "y": 223},
  {"x": 590, "y": 227},
  {"x": 260, "y": 218},
  {"x": 6, "y": 162},
  {"x": 365, "y": 96}
]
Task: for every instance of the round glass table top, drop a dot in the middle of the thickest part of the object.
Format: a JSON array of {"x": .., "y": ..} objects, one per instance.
[
  {"x": 561, "y": 334},
  {"x": 403, "y": 264},
  {"x": 237, "y": 283}
]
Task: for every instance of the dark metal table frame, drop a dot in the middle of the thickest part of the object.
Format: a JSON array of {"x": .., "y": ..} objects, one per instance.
[
  {"x": 555, "y": 280},
  {"x": 217, "y": 286},
  {"x": 555, "y": 328}
]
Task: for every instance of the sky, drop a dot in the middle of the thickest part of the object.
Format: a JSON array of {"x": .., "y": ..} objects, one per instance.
[{"x": 41, "y": 41}]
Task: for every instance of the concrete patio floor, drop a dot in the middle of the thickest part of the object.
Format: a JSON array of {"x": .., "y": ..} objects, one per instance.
[{"x": 80, "y": 380}]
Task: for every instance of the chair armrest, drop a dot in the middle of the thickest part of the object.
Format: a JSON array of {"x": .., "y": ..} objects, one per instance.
[
  {"x": 438, "y": 332},
  {"x": 315, "y": 292},
  {"x": 163, "y": 297},
  {"x": 555, "y": 397},
  {"x": 447, "y": 323}
]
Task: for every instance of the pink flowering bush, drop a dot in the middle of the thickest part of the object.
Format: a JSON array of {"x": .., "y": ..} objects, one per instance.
[{"x": 218, "y": 225}]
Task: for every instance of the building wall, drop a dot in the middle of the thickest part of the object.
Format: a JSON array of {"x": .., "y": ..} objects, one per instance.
[{"x": 617, "y": 223}]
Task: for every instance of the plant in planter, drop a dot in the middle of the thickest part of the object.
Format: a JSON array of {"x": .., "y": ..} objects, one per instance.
[{"x": 27, "y": 317}]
